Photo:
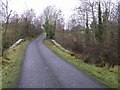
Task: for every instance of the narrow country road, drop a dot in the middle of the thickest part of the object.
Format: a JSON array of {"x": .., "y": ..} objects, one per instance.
[{"x": 43, "y": 69}]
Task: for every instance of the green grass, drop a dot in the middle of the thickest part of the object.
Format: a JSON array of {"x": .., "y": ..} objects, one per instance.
[
  {"x": 11, "y": 65},
  {"x": 106, "y": 75}
]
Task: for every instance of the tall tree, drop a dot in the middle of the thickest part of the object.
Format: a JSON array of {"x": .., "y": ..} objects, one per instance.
[
  {"x": 119, "y": 35},
  {"x": 99, "y": 32},
  {"x": 94, "y": 22}
]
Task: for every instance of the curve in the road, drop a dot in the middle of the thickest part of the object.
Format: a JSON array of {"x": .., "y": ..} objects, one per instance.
[{"x": 43, "y": 69}]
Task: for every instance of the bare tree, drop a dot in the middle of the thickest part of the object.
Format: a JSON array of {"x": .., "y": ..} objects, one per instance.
[
  {"x": 52, "y": 14},
  {"x": 6, "y": 14},
  {"x": 28, "y": 19}
]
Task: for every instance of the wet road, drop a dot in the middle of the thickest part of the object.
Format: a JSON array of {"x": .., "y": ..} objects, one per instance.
[{"x": 44, "y": 69}]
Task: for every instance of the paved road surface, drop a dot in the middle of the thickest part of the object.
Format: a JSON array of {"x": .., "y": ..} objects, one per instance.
[{"x": 43, "y": 69}]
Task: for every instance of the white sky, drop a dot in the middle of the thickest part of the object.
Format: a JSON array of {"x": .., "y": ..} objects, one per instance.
[{"x": 66, "y": 6}]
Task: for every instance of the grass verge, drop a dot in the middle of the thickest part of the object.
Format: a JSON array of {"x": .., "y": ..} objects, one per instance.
[
  {"x": 11, "y": 65},
  {"x": 106, "y": 75}
]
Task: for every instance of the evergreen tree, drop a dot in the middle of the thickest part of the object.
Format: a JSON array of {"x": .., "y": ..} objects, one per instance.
[
  {"x": 100, "y": 32},
  {"x": 49, "y": 28}
]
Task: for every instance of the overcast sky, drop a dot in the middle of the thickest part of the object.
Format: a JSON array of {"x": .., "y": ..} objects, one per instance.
[
  {"x": 66, "y": 6},
  {"x": 20, "y": 6}
]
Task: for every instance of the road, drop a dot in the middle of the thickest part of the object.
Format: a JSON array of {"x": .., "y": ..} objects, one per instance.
[{"x": 43, "y": 69}]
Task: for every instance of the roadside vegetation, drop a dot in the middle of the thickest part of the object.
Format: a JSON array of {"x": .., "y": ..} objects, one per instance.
[
  {"x": 12, "y": 65},
  {"x": 13, "y": 28},
  {"x": 92, "y": 33},
  {"x": 107, "y": 75}
]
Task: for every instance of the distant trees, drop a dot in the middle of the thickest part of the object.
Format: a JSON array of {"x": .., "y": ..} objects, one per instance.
[
  {"x": 52, "y": 17},
  {"x": 93, "y": 32},
  {"x": 25, "y": 26},
  {"x": 28, "y": 18}
]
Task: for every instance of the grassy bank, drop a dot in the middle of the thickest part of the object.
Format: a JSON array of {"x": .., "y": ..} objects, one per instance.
[
  {"x": 106, "y": 75},
  {"x": 11, "y": 65}
]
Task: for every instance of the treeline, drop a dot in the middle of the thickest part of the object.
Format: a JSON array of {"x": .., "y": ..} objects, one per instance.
[
  {"x": 15, "y": 27},
  {"x": 92, "y": 31}
]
